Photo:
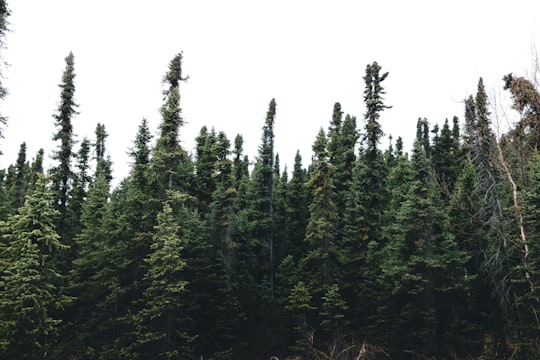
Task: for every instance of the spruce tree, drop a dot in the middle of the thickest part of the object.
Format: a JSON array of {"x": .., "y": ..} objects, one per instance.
[
  {"x": 205, "y": 168},
  {"x": 18, "y": 191},
  {"x": 160, "y": 322},
  {"x": 103, "y": 163},
  {"x": 301, "y": 308},
  {"x": 263, "y": 198},
  {"x": 62, "y": 172},
  {"x": 324, "y": 257},
  {"x": 36, "y": 169},
  {"x": 171, "y": 163},
  {"x": 297, "y": 202},
  {"x": 29, "y": 292},
  {"x": 223, "y": 198},
  {"x": 365, "y": 202}
]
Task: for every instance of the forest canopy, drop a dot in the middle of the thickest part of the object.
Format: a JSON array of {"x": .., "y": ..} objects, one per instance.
[{"x": 363, "y": 253}]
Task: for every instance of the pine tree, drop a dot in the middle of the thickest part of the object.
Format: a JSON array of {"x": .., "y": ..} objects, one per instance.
[
  {"x": 85, "y": 283},
  {"x": 62, "y": 172},
  {"x": 29, "y": 292},
  {"x": 159, "y": 324},
  {"x": 297, "y": 199},
  {"x": 141, "y": 155},
  {"x": 103, "y": 163},
  {"x": 36, "y": 169},
  {"x": 205, "y": 168},
  {"x": 241, "y": 166},
  {"x": 323, "y": 259},
  {"x": 497, "y": 267},
  {"x": 18, "y": 191},
  {"x": 263, "y": 198},
  {"x": 171, "y": 163},
  {"x": 300, "y": 307},
  {"x": 528, "y": 266},
  {"x": 81, "y": 181},
  {"x": 223, "y": 198},
  {"x": 365, "y": 203},
  {"x": 422, "y": 266},
  {"x": 333, "y": 318}
]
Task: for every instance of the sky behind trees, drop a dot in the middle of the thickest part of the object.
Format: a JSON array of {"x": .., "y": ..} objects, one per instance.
[{"x": 241, "y": 54}]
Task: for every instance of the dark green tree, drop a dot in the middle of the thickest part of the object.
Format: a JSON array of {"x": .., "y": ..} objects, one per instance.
[
  {"x": 18, "y": 190},
  {"x": 29, "y": 292},
  {"x": 205, "y": 168},
  {"x": 62, "y": 172},
  {"x": 160, "y": 328},
  {"x": 324, "y": 257},
  {"x": 223, "y": 198},
  {"x": 263, "y": 198},
  {"x": 365, "y": 203},
  {"x": 103, "y": 162},
  {"x": 171, "y": 163},
  {"x": 36, "y": 169},
  {"x": 297, "y": 202},
  {"x": 301, "y": 308}
]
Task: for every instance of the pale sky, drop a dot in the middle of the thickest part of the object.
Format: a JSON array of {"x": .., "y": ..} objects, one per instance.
[{"x": 241, "y": 54}]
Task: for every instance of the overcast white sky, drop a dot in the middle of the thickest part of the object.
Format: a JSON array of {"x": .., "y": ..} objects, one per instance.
[{"x": 241, "y": 54}]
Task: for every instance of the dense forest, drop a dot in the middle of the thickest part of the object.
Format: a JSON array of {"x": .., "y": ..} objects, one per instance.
[{"x": 364, "y": 253}]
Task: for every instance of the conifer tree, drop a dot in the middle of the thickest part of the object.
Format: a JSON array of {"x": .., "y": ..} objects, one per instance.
[
  {"x": 263, "y": 198},
  {"x": 19, "y": 188},
  {"x": 103, "y": 163},
  {"x": 205, "y": 168},
  {"x": 81, "y": 181},
  {"x": 160, "y": 329},
  {"x": 498, "y": 267},
  {"x": 300, "y": 307},
  {"x": 140, "y": 153},
  {"x": 297, "y": 199},
  {"x": 422, "y": 265},
  {"x": 528, "y": 266},
  {"x": 333, "y": 317},
  {"x": 29, "y": 293},
  {"x": 241, "y": 165},
  {"x": 223, "y": 198},
  {"x": 323, "y": 259},
  {"x": 171, "y": 163},
  {"x": 366, "y": 198},
  {"x": 36, "y": 169},
  {"x": 62, "y": 172}
]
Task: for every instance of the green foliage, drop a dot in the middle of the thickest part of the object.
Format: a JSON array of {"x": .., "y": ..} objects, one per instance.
[
  {"x": 362, "y": 253},
  {"x": 29, "y": 293},
  {"x": 62, "y": 173}
]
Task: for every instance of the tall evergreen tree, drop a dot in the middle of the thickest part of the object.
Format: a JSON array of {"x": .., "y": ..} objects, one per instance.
[
  {"x": 323, "y": 259},
  {"x": 19, "y": 188},
  {"x": 223, "y": 198},
  {"x": 422, "y": 265},
  {"x": 263, "y": 198},
  {"x": 62, "y": 172},
  {"x": 297, "y": 202},
  {"x": 205, "y": 168},
  {"x": 36, "y": 169},
  {"x": 103, "y": 163},
  {"x": 160, "y": 330},
  {"x": 29, "y": 293},
  {"x": 171, "y": 163},
  {"x": 366, "y": 200}
]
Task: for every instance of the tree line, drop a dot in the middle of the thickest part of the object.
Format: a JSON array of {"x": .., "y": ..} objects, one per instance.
[{"x": 365, "y": 253}]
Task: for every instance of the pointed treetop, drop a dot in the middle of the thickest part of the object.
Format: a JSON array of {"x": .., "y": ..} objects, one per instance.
[{"x": 174, "y": 75}]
